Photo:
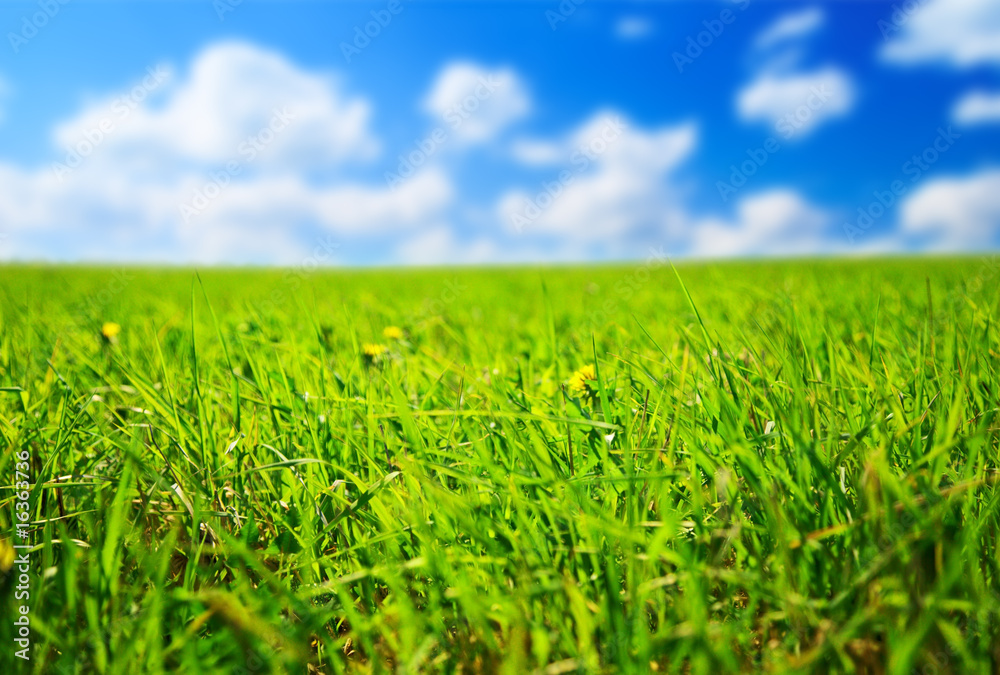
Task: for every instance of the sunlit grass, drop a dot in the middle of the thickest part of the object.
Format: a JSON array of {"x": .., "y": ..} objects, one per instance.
[{"x": 569, "y": 470}]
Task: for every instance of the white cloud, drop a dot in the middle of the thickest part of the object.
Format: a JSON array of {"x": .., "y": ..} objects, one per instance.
[
  {"x": 613, "y": 184},
  {"x": 362, "y": 209},
  {"x": 779, "y": 222},
  {"x": 959, "y": 32},
  {"x": 231, "y": 93},
  {"x": 977, "y": 107},
  {"x": 439, "y": 246},
  {"x": 790, "y": 26},
  {"x": 796, "y": 103},
  {"x": 475, "y": 103},
  {"x": 605, "y": 206},
  {"x": 633, "y": 27},
  {"x": 178, "y": 178},
  {"x": 631, "y": 193},
  {"x": 534, "y": 152},
  {"x": 955, "y": 213}
]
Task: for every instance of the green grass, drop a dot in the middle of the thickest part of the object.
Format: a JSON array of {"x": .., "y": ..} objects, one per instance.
[{"x": 793, "y": 470}]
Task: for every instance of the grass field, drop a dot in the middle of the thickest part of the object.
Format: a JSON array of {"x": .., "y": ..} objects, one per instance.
[{"x": 793, "y": 470}]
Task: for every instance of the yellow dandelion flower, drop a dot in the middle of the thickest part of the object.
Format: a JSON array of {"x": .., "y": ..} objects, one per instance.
[
  {"x": 373, "y": 352},
  {"x": 110, "y": 331},
  {"x": 373, "y": 349},
  {"x": 580, "y": 381},
  {"x": 392, "y": 333},
  {"x": 6, "y": 556}
]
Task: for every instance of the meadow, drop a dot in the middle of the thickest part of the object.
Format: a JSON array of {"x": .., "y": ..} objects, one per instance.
[{"x": 729, "y": 467}]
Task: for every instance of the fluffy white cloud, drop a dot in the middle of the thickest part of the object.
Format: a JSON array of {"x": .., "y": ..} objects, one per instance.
[
  {"x": 232, "y": 93},
  {"x": 475, "y": 103},
  {"x": 779, "y": 222},
  {"x": 790, "y": 26},
  {"x": 236, "y": 163},
  {"x": 601, "y": 203},
  {"x": 960, "y": 32},
  {"x": 955, "y": 213},
  {"x": 977, "y": 107},
  {"x": 630, "y": 192},
  {"x": 613, "y": 183},
  {"x": 796, "y": 103},
  {"x": 362, "y": 209},
  {"x": 633, "y": 27}
]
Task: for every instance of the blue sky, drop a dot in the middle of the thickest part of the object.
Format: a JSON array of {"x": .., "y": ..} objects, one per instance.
[{"x": 481, "y": 132}]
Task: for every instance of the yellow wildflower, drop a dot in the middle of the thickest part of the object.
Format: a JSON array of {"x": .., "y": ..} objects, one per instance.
[
  {"x": 6, "y": 556},
  {"x": 392, "y": 333},
  {"x": 581, "y": 380},
  {"x": 110, "y": 331},
  {"x": 373, "y": 352}
]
